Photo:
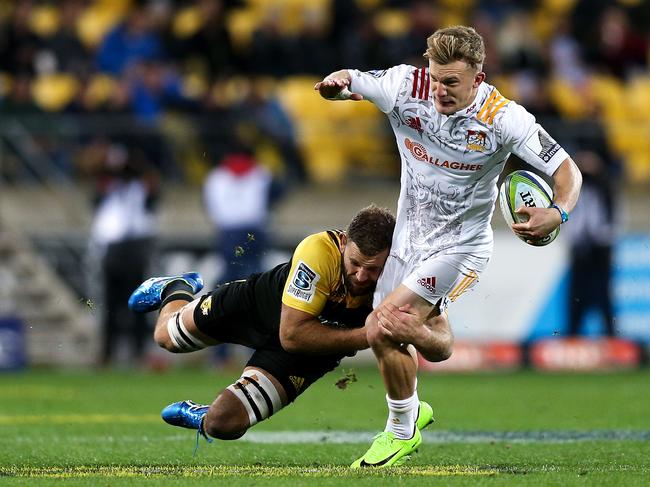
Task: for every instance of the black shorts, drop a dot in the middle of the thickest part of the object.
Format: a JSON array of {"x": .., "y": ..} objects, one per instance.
[{"x": 235, "y": 314}]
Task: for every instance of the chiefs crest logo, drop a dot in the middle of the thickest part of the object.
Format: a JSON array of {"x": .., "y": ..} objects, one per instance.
[{"x": 476, "y": 140}]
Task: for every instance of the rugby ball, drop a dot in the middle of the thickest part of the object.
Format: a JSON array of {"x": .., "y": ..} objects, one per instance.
[{"x": 524, "y": 188}]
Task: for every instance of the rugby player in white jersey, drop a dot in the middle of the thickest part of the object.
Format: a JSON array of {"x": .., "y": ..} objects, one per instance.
[{"x": 454, "y": 133}]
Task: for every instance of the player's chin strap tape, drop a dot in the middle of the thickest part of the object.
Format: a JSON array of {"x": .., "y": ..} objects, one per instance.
[
  {"x": 258, "y": 395},
  {"x": 181, "y": 338}
]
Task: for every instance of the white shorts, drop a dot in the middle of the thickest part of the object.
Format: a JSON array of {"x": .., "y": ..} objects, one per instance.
[{"x": 439, "y": 279}]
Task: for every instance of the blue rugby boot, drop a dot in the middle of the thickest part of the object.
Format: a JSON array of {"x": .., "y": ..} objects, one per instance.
[
  {"x": 187, "y": 414},
  {"x": 149, "y": 295}
]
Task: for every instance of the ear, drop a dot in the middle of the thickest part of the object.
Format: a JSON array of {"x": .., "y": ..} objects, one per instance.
[
  {"x": 478, "y": 79},
  {"x": 344, "y": 241}
]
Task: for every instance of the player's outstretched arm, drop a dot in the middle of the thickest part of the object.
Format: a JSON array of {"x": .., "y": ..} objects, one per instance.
[
  {"x": 567, "y": 181},
  {"x": 433, "y": 338},
  {"x": 336, "y": 86},
  {"x": 303, "y": 333}
]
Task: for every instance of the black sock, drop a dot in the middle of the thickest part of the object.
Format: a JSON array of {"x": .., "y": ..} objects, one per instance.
[
  {"x": 175, "y": 291},
  {"x": 177, "y": 285}
]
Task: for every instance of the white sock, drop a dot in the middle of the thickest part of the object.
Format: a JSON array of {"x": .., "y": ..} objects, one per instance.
[
  {"x": 401, "y": 416},
  {"x": 416, "y": 401}
]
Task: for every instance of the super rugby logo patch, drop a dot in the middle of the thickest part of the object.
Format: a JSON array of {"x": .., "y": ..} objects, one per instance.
[{"x": 303, "y": 283}]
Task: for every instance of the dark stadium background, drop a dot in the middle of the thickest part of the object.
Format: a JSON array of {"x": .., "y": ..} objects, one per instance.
[
  {"x": 219, "y": 71},
  {"x": 518, "y": 403}
]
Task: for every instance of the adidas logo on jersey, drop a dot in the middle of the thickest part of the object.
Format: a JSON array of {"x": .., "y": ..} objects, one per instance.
[{"x": 429, "y": 283}]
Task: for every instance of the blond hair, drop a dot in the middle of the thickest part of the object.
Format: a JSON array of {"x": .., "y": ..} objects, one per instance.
[{"x": 457, "y": 43}]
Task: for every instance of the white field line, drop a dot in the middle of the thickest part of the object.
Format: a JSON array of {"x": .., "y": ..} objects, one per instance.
[
  {"x": 449, "y": 436},
  {"x": 350, "y": 437}
]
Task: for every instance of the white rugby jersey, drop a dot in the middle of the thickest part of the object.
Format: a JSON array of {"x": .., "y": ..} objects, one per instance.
[{"x": 450, "y": 164}]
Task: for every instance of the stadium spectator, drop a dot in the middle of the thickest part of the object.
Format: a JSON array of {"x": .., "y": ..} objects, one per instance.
[
  {"x": 211, "y": 44},
  {"x": 345, "y": 18},
  {"x": 311, "y": 53},
  {"x": 69, "y": 52},
  {"x": 269, "y": 123},
  {"x": 301, "y": 317},
  {"x": 237, "y": 194},
  {"x": 18, "y": 43},
  {"x": 19, "y": 109},
  {"x": 613, "y": 36},
  {"x": 518, "y": 50},
  {"x": 122, "y": 235},
  {"x": 270, "y": 49},
  {"x": 19, "y": 104},
  {"x": 454, "y": 133},
  {"x": 619, "y": 51},
  {"x": 424, "y": 17},
  {"x": 362, "y": 46},
  {"x": 129, "y": 42},
  {"x": 592, "y": 232},
  {"x": 154, "y": 90}
]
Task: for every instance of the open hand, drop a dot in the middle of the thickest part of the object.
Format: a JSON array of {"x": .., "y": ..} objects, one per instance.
[{"x": 334, "y": 88}]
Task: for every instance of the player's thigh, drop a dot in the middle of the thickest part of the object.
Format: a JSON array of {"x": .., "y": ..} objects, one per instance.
[
  {"x": 394, "y": 272},
  {"x": 295, "y": 373},
  {"x": 402, "y": 296},
  {"x": 443, "y": 279},
  {"x": 230, "y": 314}
]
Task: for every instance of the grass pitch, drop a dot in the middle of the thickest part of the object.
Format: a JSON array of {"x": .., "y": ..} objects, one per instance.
[{"x": 514, "y": 429}]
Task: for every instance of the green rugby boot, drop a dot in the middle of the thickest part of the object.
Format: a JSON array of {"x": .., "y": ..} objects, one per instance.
[
  {"x": 388, "y": 451},
  {"x": 425, "y": 415}
]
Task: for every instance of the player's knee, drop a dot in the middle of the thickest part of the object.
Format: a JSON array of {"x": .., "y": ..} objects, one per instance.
[
  {"x": 253, "y": 398},
  {"x": 161, "y": 337},
  {"x": 376, "y": 338},
  {"x": 224, "y": 423},
  {"x": 443, "y": 351},
  {"x": 173, "y": 335}
]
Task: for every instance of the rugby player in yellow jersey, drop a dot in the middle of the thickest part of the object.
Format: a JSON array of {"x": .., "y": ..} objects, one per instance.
[{"x": 301, "y": 318}]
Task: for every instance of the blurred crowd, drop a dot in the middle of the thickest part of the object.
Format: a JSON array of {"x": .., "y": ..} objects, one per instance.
[{"x": 178, "y": 80}]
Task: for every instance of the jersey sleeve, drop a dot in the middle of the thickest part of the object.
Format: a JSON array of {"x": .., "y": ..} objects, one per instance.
[
  {"x": 382, "y": 86},
  {"x": 315, "y": 267},
  {"x": 523, "y": 136}
]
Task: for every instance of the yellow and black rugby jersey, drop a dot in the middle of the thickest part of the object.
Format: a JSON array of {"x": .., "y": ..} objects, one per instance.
[
  {"x": 311, "y": 282},
  {"x": 316, "y": 286}
]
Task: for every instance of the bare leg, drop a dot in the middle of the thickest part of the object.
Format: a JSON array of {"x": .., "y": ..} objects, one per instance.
[{"x": 397, "y": 362}]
